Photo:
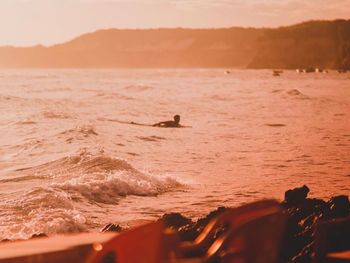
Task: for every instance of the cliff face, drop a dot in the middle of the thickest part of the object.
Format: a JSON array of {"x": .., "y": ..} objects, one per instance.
[{"x": 323, "y": 44}]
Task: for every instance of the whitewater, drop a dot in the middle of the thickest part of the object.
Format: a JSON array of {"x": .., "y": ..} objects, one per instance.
[{"x": 69, "y": 162}]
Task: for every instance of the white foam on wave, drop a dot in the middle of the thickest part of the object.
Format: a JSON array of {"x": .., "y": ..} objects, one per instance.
[
  {"x": 100, "y": 178},
  {"x": 79, "y": 132},
  {"x": 104, "y": 179},
  {"x": 40, "y": 211},
  {"x": 78, "y": 181},
  {"x": 108, "y": 188}
]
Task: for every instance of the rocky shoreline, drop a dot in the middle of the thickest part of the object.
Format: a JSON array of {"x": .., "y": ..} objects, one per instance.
[{"x": 303, "y": 214}]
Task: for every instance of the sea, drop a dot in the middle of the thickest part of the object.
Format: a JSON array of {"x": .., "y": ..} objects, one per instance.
[{"x": 72, "y": 159}]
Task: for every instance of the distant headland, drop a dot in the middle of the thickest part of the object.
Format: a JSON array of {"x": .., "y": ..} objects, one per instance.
[{"x": 319, "y": 44}]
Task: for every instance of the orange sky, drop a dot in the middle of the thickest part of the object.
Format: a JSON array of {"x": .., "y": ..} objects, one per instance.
[{"x": 30, "y": 22}]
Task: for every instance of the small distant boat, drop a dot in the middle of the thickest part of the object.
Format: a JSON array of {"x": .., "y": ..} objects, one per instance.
[
  {"x": 227, "y": 72},
  {"x": 321, "y": 70},
  {"x": 309, "y": 70},
  {"x": 277, "y": 73}
]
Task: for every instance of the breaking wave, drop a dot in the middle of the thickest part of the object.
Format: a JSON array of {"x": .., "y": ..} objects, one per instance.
[
  {"x": 100, "y": 178},
  {"x": 40, "y": 211},
  {"x": 72, "y": 182}
]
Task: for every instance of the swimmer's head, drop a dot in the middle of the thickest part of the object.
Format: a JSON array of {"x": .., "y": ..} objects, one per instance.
[{"x": 177, "y": 118}]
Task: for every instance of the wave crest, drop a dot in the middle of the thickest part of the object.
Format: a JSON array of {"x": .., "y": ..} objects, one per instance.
[
  {"x": 98, "y": 178},
  {"x": 75, "y": 185},
  {"x": 55, "y": 115},
  {"x": 42, "y": 210},
  {"x": 297, "y": 94},
  {"x": 104, "y": 179},
  {"x": 79, "y": 132},
  {"x": 109, "y": 188},
  {"x": 138, "y": 88}
]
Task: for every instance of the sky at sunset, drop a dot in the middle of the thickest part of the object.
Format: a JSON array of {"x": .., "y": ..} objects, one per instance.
[{"x": 31, "y": 22}]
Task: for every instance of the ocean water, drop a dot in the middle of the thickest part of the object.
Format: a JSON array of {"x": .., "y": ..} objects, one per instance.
[{"x": 68, "y": 163}]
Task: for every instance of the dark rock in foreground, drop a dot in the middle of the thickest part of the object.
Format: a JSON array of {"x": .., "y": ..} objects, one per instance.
[
  {"x": 176, "y": 220},
  {"x": 187, "y": 229},
  {"x": 303, "y": 214},
  {"x": 111, "y": 228},
  {"x": 38, "y": 235},
  {"x": 296, "y": 195}
]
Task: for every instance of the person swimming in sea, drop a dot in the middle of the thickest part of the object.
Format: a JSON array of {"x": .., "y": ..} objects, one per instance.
[{"x": 169, "y": 124}]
